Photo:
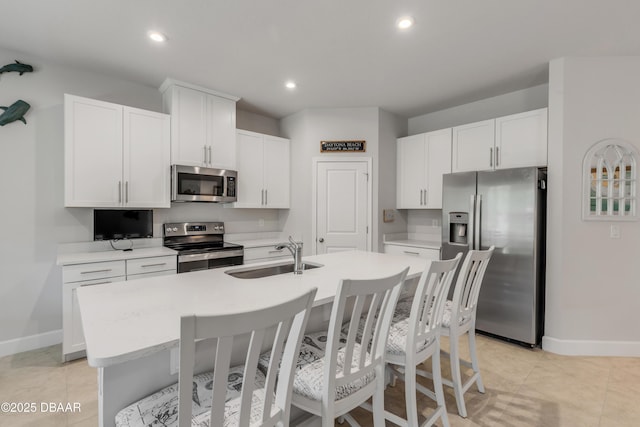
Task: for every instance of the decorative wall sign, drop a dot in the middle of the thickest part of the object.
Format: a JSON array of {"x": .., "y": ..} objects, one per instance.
[
  {"x": 333, "y": 146},
  {"x": 17, "y": 67},
  {"x": 15, "y": 111}
]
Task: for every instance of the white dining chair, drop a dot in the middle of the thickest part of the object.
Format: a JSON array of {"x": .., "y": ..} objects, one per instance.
[
  {"x": 243, "y": 395},
  {"x": 338, "y": 370},
  {"x": 414, "y": 337},
  {"x": 459, "y": 318}
]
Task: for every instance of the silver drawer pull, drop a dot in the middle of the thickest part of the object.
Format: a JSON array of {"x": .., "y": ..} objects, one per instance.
[
  {"x": 275, "y": 251},
  {"x": 95, "y": 271},
  {"x": 411, "y": 253},
  {"x": 97, "y": 283},
  {"x": 154, "y": 265}
]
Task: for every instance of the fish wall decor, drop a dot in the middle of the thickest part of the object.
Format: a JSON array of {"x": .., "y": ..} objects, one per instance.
[
  {"x": 15, "y": 111},
  {"x": 17, "y": 67}
]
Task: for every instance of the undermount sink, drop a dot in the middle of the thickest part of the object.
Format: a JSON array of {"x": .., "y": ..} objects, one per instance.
[{"x": 269, "y": 270}]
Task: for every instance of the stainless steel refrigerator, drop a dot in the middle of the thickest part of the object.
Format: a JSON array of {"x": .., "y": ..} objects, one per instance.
[{"x": 505, "y": 208}]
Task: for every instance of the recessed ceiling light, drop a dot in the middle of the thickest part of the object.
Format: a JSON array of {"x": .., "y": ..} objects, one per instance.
[
  {"x": 290, "y": 84},
  {"x": 157, "y": 37},
  {"x": 405, "y": 22}
]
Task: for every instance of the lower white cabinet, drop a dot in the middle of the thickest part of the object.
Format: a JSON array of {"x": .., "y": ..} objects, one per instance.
[
  {"x": 98, "y": 273},
  {"x": 427, "y": 253},
  {"x": 265, "y": 253}
]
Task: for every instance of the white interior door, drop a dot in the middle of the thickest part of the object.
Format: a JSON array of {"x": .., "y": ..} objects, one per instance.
[{"x": 342, "y": 206}]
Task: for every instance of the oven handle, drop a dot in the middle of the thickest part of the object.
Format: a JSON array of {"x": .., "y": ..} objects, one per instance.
[{"x": 211, "y": 255}]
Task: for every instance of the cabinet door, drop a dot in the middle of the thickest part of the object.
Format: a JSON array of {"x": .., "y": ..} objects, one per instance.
[
  {"x": 250, "y": 170},
  {"x": 73, "y": 336},
  {"x": 438, "y": 147},
  {"x": 277, "y": 172},
  {"x": 189, "y": 143},
  {"x": 411, "y": 172},
  {"x": 147, "y": 149},
  {"x": 93, "y": 153},
  {"x": 521, "y": 139},
  {"x": 473, "y": 146},
  {"x": 222, "y": 132}
]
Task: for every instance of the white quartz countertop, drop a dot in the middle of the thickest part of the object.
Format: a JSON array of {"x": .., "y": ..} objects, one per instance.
[
  {"x": 115, "y": 255},
  {"x": 427, "y": 244},
  {"x": 126, "y": 320}
]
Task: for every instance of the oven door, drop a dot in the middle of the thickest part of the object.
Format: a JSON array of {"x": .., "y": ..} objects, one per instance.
[
  {"x": 198, "y": 184},
  {"x": 208, "y": 260}
]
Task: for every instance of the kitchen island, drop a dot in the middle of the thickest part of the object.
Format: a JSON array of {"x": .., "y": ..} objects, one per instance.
[{"x": 132, "y": 328}]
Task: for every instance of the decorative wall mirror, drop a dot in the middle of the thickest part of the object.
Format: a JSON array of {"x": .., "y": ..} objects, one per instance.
[{"x": 610, "y": 190}]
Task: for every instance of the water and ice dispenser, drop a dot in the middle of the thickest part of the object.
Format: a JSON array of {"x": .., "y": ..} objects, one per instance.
[{"x": 458, "y": 227}]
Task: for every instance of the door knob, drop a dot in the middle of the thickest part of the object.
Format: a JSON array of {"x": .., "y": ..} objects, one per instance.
[{"x": 321, "y": 240}]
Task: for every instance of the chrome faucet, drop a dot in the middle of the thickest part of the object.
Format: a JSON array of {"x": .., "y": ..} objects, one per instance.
[{"x": 296, "y": 250}]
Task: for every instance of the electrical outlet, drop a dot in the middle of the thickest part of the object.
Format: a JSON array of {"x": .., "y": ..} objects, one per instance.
[
  {"x": 615, "y": 232},
  {"x": 388, "y": 215}
]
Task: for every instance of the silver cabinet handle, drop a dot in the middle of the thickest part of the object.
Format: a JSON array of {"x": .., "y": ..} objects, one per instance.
[
  {"x": 321, "y": 240},
  {"x": 126, "y": 191},
  {"x": 411, "y": 253},
  {"x": 425, "y": 197},
  {"x": 119, "y": 191},
  {"x": 97, "y": 283},
  {"x": 95, "y": 271},
  {"x": 491, "y": 157},
  {"x": 266, "y": 197},
  {"x": 154, "y": 265},
  {"x": 204, "y": 147},
  {"x": 275, "y": 251},
  {"x": 497, "y": 156},
  {"x": 209, "y": 155},
  {"x": 420, "y": 197},
  {"x": 262, "y": 197}
]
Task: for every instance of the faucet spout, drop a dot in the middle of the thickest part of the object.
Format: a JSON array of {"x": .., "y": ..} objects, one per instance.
[{"x": 296, "y": 251}]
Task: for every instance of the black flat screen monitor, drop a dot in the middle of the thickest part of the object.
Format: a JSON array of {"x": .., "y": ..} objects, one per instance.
[{"x": 112, "y": 224}]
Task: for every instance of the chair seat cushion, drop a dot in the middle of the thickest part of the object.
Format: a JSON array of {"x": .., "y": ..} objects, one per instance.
[
  {"x": 399, "y": 330},
  {"x": 309, "y": 380},
  {"x": 161, "y": 408}
]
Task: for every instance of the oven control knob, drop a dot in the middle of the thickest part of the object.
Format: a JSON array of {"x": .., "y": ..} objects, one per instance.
[{"x": 175, "y": 229}]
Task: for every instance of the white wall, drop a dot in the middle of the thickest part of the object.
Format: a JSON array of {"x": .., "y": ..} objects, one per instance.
[
  {"x": 511, "y": 103},
  {"x": 31, "y": 189},
  {"x": 257, "y": 123},
  {"x": 593, "y": 296},
  {"x": 306, "y": 129}
]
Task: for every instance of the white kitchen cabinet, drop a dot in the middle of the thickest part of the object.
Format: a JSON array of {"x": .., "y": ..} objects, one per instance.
[
  {"x": 265, "y": 253},
  {"x": 473, "y": 146},
  {"x": 422, "y": 160},
  {"x": 427, "y": 253},
  {"x": 115, "y": 156},
  {"x": 75, "y": 276},
  {"x": 203, "y": 125},
  {"x": 264, "y": 171},
  {"x": 521, "y": 140},
  {"x": 512, "y": 141}
]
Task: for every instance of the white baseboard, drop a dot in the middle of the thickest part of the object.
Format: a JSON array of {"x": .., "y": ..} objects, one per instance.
[
  {"x": 591, "y": 347},
  {"x": 31, "y": 342}
]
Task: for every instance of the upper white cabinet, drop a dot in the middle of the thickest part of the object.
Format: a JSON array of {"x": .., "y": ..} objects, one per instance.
[
  {"x": 115, "y": 156},
  {"x": 264, "y": 171},
  {"x": 422, "y": 160},
  {"x": 506, "y": 142},
  {"x": 203, "y": 125}
]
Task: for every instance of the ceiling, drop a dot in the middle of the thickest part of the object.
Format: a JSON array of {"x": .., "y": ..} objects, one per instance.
[{"x": 341, "y": 53}]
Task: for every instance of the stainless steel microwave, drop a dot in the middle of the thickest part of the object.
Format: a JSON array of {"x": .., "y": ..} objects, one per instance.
[{"x": 198, "y": 184}]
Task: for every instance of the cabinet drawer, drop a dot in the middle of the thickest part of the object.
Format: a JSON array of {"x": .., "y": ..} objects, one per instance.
[
  {"x": 432, "y": 254},
  {"x": 264, "y": 253},
  {"x": 150, "y": 274},
  {"x": 150, "y": 265},
  {"x": 92, "y": 271}
]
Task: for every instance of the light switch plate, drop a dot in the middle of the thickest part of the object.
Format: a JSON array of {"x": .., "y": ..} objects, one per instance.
[
  {"x": 615, "y": 232},
  {"x": 388, "y": 215}
]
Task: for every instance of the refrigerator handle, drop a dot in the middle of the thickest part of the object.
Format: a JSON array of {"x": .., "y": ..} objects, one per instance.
[
  {"x": 471, "y": 230},
  {"x": 476, "y": 226}
]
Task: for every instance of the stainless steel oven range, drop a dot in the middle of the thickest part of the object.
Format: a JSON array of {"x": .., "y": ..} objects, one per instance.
[{"x": 201, "y": 245}]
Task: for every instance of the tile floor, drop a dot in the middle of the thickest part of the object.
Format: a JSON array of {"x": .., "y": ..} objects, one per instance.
[{"x": 523, "y": 388}]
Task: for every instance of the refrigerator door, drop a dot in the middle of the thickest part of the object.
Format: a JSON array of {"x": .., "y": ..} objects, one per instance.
[
  {"x": 510, "y": 219},
  {"x": 458, "y": 195}
]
